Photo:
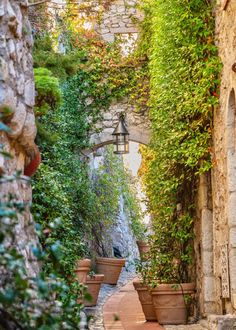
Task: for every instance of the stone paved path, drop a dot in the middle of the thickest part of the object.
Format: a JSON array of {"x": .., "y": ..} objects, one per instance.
[
  {"x": 122, "y": 311},
  {"x": 119, "y": 309},
  {"x": 107, "y": 291}
]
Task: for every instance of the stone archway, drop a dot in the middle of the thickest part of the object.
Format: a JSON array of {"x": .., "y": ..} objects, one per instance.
[{"x": 138, "y": 125}]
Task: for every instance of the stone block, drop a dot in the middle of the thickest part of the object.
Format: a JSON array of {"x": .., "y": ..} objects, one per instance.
[
  {"x": 124, "y": 30},
  {"x": 107, "y": 116},
  {"x": 3, "y": 70},
  {"x": 109, "y": 37},
  {"x": 207, "y": 263},
  {"x": 10, "y": 12},
  {"x": 105, "y": 30},
  {"x": 29, "y": 93},
  {"x": 18, "y": 121},
  {"x": 12, "y": 71},
  {"x": 207, "y": 229},
  {"x": 10, "y": 98},
  {"x": 11, "y": 49},
  {"x": 232, "y": 237},
  {"x": 2, "y": 9},
  {"x": 231, "y": 170},
  {"x": 208, "y": 289},
  {"x": 121, "y": 10},
  {"x": 20, "y": 83},
  {"x": 232, "y": 268},
  {"x": 209, "y": 308},
  {"x": 202, "y": 192},
  {"x": 232, "y": 209},
  {"x": 29, "y": 132},
  {"x": 19, "y": 51},
  {"x": 233, "y": 299},
  {"x": 222, "y": 322}
]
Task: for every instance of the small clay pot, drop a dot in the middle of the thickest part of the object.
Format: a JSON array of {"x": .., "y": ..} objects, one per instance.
[
  {"x": 32, "y": 167},
  {"x": 111, "y": 268},
  {"x": 94, "y": 284},
  {"x": 145, "y": 299},
  {"x": 82, "y": 269},
  {"x": 169, "y": 304},
  {"x": 143, "y": 248}
]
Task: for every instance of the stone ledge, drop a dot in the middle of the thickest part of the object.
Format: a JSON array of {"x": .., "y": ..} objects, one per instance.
[{"x": 222, "y": 322}]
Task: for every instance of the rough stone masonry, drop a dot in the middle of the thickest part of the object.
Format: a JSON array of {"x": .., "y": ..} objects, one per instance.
[{"x": 17, "y": 94}]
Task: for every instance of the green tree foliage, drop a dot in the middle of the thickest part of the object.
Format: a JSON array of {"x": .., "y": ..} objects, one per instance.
[{"x": 48, "y": 92}]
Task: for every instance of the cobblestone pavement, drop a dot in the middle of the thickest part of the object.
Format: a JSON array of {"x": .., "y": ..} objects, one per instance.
[{"x": 106, "y": 291}]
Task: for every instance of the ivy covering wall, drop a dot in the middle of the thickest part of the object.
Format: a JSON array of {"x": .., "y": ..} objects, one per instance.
[
  {"x": 68, "y": 104},
  {"x": 178, "y": 37}
]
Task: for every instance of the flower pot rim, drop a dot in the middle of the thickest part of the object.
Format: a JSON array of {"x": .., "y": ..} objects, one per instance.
[
  {"x": 95, "y": 278},
  {"x": 139, "y": 286},
  {"x": 115, "y": 261},
  {"x": 83, "y": 262},
  {"x": 173, "y": 288}
]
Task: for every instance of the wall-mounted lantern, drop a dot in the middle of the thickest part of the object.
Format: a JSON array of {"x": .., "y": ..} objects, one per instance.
[{"x": 121, "y": 137}]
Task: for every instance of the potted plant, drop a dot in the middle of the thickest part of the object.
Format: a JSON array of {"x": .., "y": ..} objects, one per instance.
[
  {"x": 82, "y": 269},
  {"x": 145, "y": 299},
  {"x": 169, "y": 270},
  {"x": 93, "y": 283},
  {"x": 143, "y": 247},
  {"x": 110, "y": 267}
]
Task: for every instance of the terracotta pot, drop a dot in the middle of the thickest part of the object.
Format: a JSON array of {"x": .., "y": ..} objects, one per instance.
[
  {"x": 82, "y": 268},
  {"x": 111, "y": 268},
  {"x": 32, "y": 167},
  {"x": 169, "y": 302},
  {"x": 145, "y": 299},
  {"x": 144, "y": 248},
  {"x": 93, "y": 283}
]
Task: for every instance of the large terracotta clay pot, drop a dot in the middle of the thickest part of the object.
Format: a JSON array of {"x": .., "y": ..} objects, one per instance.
[
  {"x": 93, "y": 283},
  {"x": 169, "y": 304},
  {"x": 143, "y": 248},
  {"x": 145, "y": 299},
  {"x": 82, "y": 268},
  {"x": 111, "y": 268}
]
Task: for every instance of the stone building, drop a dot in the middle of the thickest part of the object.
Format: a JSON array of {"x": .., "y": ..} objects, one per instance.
[
  {"x": 215, "y": 229},
  {"x": 17, "y": 96}
]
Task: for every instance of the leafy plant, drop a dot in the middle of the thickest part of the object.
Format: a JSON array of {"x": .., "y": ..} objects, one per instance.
[
  {"x": 184, "y": 76},
  {"x": 40, "y": 302}
]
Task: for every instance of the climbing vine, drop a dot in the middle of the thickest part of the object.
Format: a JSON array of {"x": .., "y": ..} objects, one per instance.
[
  {"x": 70, "y": 101},
  {"x": 184, "y": 72}
]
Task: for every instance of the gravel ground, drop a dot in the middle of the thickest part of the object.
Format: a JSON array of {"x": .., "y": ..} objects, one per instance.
[{"x": 106, "y": 291}]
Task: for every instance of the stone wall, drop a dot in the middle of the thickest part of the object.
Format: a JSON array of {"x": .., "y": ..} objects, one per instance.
[
  {"x": 138, "y": 124},
  {"x": 224, "y": 170},
  {"x": 120, "y": 23},
  {"x": 17, "y": 95},
  {"x": 122, "y": 235},
  {"x": 203, "y": 246}
]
